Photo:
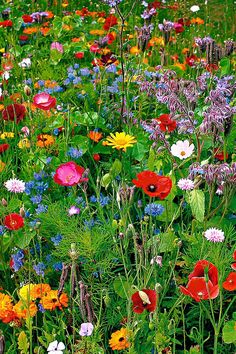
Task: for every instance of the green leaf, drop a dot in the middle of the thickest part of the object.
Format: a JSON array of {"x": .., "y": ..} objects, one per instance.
[
  {"x": 225, "y": 66},
  {"x": 229, "y": 332},
  {"x": 167, "y": 242},
  {"x": 106, "y": 180},
  {"x": 55, "y": 56},
  {"x": 121, "y": 287},
  {"x": 138, "y": 151},
  {"x": 196, "y": 200},
  {"x": 171, "y": 211},
  {"x": 18, "y": 23},
  {"x": 116, "y": 168},
  {"x": 22, "y": 240},
  {"x": 23, "y": 344},
  {"x": 151, "y": 160}
]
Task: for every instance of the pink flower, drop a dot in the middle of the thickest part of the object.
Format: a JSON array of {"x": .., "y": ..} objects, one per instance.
[
  {"x": 44, "y": 101},
  {"x": 15, "y": 185},
  {"x": 69, "y": 174},
  {"x": 214, "y": 235},
  {"x": 185, "y": 184},
  {"x": 25, "y": 130},
  {"x": 57, "y": 46},
  {"x": 73, "y": 210}
]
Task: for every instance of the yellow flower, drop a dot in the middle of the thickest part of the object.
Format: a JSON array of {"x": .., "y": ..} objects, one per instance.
[
  {"x": 134, "y": 50},
  {"x": 25, "y": 292},
  {"x": 97, "y": 32},
  {"x": 2, "y": 166},
  {"x": 119, "y": 340},
  {"x": 24, "y": 143},
  {"x": 6, "y": 135},
  {"x": 120, "y": 140}
]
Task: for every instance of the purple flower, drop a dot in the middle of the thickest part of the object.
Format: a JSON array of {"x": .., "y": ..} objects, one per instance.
[
  {"x": 73, "y": 210},
  {"x": 39, "y": 268},
  {"x": 86, "y": 329}
]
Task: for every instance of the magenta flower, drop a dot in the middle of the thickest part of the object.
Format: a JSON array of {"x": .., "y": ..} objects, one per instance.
[
  {"x": 57, "y": 46},
  {"x": 69, "y": 174},
  {"x": 44, "y": 101}
]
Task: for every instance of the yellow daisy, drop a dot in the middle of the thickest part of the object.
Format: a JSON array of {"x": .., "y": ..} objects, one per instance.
[{"x": 120, "y": 140}]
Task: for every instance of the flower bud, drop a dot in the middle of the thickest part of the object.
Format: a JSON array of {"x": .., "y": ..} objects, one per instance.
[{"x": 4, "y": 202}]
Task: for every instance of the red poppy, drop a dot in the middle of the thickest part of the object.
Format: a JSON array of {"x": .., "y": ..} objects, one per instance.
[
  {"x": 144, "y": 300},
  {"x": 153, "y": 184},
  {"x": 233, "y": 265},
  {"x": 79, "y": 55},
  {"x": 13, "y": 221},
  {"x": 111, "y": 38},
  {"x": 110, "y": 21},
  {"x": 23, "y": 38},
  {"x": 27, "y": 18},
  {"x": 14, "y": 112},
  {"x": 178, "y": 27},
  {"x": 218, "y": 154},
  {"x": 199, "y": 288},
  {"x": 230, "y": 282},
  {"x": 7, "y": 23},
  {"x": 44, "y": 101},
  {"x": 166, "y": 123},
  {"x": 4, "y": 147}
]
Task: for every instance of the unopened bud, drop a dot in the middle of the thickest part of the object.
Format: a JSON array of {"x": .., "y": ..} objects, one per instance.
[
  {"x": 158, "y": 288},
  {"x": 27, "y": 90},
  {"x": 22, "y": 212},
  {"x": 4, "y": 202}
]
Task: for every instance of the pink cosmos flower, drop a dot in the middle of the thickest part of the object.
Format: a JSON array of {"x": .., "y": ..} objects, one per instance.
[
  {"x": 182, "y": 149},
  {"x": 69, "y": 174},
  {"x": 44, "y": 101},
  {"x": 57, "y": 46}
]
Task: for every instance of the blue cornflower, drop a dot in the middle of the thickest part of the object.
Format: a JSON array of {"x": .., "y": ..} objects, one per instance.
[
  {"x": 48, "y": 160},
  {"x": 89, "y": 223},
  {"x": 74, "y": 153},
  {"x": 58, "y": 89},
  {"x": 17, "y": 259},
  {"x": 36, "y": 199},
  {"x": 85, "y": 72},
  {"x": 56, "y": 239},
  {"x": 34, "y": 222},
  {"x": 76, "y": 66},
  {"x": 29, "y": 186},
  {"x": 2, "y": 230},
  {"x": 57, "y": 266},
  {"x": 41, "y": 83},
  {"x": 77, "y": 80},
  {"x": 39, "y": 268},
  {"x": 42, "y": 208},
  {"x": 41, "y": 308},
  {"x": 48, "y": 258},
  {"x": 40, "y": 175},
  {"x": 104, "y": 200},
  {"x": 41, "y": 186},
  {"x": 93, "y": 199},
  {"x": 66, "y": 82},
  {"x": 154, "y": 209}
]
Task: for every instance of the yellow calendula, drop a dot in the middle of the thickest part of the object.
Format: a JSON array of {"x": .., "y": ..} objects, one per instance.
[
  {"x": 24, "y": 143},
  {"x": 120, "y": 141},
  {"x": 6, "y": 135}
]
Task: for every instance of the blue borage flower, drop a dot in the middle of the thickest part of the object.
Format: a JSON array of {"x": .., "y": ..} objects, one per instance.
[
  {"x": 154, "y": 209},
  {"x": 56, "y": 239}
]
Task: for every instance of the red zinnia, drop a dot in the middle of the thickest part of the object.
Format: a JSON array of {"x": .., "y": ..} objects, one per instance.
[
  {"x": 79, "y": 55},
  {"x": 144, "y": 300},
  {"x": 166, "y": 123},
  {"x": 153, "y": 184},
  {"x": 199, "y": 288},
  {"x": 230, "y": 282},
  {"x": 4, "y": 147},
  {"x": 13, "y": 221},
  {"x": 110, "y": 21},
  {"x": 13, "y": 112}
]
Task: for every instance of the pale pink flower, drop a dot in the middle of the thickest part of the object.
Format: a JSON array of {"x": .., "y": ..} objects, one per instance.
[
  {"x": 15, "y": 185},
  {"x": 214, "y": 235},
  {"x": 157, "y": 260},
  {"x": 182, "y": 149},
  {"x": 73, "y": 210},
  {"x": 25, "y": 130},
  {"x": 185, "y": 184}
]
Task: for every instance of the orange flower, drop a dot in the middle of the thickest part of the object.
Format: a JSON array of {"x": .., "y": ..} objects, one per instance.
[
  {"x": 40, "y": 290},
  {"x": 24, "y": 310},
  {"x": 75, "y": 40},
  {"x": 185, "y": 51},
  {"x": 51, "y": 300},
  {"x": 67, "y": 28},
  {"x": 49, "y": 14},
  {"x": 45, "y": 140},
  {"x": 181, "y": 66},
  {"x": 30, "y": 30},
  {"x": 197, "y": 21},
  {"x": 44, "y": 30},
  {"x": 97, "y": 32},
  {"x": 5, "y": 304},
  {"x": 134, "y": 50},
  {"x": 95, "y": 136}
]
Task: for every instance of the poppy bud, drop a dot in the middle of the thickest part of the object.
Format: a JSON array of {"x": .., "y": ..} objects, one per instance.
[
  {"x": 22, "y": 212},
  {"x": 4, "y": 202}
]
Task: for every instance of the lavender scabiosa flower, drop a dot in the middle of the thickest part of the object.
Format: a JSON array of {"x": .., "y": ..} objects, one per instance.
[
  {"x": 185, "y": 184},
  {"x": 15, "y": 185},
  {"x": 214, "y": 235}
]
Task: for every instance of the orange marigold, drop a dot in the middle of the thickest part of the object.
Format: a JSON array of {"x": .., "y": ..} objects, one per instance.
[
  {"x": 51, "y": 301},
  {"x": 95, "y": 136},
  {"x": 24, "y": 309},
  {"x": 5, "y": 305},
  {"x": 40, "y": 290},
  {"x": 45, "y": 140}
]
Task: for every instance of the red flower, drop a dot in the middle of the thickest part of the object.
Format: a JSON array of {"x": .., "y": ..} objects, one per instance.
[
  {"x": 94, "y": 48},
  {"x": 110, "y": 21},
  {"x": 166, "y": 123},
  {"x": 153, "y": 184},
  {"x": 4, "y": 147},
  {"x": 69, "y": 174},
  {"x": 96, "y": 157},
  {"x": 27, "y": 18},
  {"x": 218, "y": 154},
  {"x": 199, "y": 288},
  {"x": 144, "y": 300},
  {"x": 23, "y": 38},
  {"x": 44, "y": 101},
  {"x": 191, "y": 60},
  {"x": 14, "y": 112},
  {"x": 230, "y": 282},
  {"x": 212, "y": 68},
  {"x": 178, "y": 27},
  {"x": 7, "y": 23},
  {"x": 233, "y": 265},
  {"x": 13, "y": 221},
  {"x": 79, "y": 55}
]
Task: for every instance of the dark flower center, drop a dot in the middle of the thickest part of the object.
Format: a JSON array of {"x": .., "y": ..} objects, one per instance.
[
  {"x": 152, "y": 188},
  {"x": 121, "y": 339}
]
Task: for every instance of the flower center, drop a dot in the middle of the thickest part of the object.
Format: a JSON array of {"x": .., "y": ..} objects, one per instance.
[
  {"x": 152, "y": 188},
  {"x": 200, "y": 293},
  {"x": 121, "y": 339},
  {"x": 183, "y": 153}
]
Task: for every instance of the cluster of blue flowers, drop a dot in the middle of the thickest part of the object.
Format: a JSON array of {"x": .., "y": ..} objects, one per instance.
[
  {"x": 154, "y": 209},
  {"x": 102, "y": 200}
]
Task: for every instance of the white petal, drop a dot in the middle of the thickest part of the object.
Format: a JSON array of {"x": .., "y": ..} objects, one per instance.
[
  {"x": 61, "y": 346},
  {"x": 52, "y": 346}
]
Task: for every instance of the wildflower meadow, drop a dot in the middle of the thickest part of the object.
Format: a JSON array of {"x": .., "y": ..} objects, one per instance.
[{"x": 117, "y": 177}]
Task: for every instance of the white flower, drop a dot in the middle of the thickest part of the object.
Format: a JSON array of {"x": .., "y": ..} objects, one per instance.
[
  {"x": 185, "y": 184},
  {"x": 182, "y": 149},
  {"x": 5, "y": 75},
  {"x": 25, "y": 63},
  {"x": 194, "y": 8},
  {"x": 15, "y": 185},
  {"x": 56, "y": 348},
  {"x": 214, "y": 235}
]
